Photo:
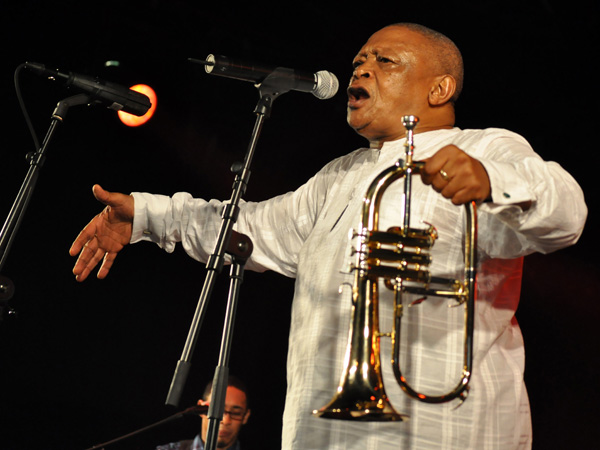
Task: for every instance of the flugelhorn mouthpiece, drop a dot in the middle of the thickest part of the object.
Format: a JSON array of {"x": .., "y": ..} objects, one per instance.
[{"x": 410, "y": 122}]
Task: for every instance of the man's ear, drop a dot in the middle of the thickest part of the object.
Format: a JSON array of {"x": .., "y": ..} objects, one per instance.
[
  {"x": 442, "y": 90},
  {"x": 246, "y": 417}
]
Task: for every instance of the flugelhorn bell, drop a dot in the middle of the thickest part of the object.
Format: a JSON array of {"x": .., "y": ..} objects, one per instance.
[{"x": 400, "y": 257}]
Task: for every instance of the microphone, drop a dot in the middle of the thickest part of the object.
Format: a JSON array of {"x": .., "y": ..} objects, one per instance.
[
  {"x": 115, "y": 96},
  {"x": 322, "y": 85}
]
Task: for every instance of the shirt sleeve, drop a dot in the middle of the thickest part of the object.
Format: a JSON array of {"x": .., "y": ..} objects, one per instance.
[
  {"x": 277, "y": 227},
  {"x": 536, "y": 205}
]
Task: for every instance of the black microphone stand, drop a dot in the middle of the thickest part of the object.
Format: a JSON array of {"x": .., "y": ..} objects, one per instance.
[
  {"x": 270, "y": 89},
  {"x": 17, "y": 211}
]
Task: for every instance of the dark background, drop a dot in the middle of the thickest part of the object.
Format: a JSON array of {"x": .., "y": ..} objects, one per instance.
[{"x": 85, "y": 363}]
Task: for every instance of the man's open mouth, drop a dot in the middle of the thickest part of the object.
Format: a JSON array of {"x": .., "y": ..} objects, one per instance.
[{"x": 356, "y": 95}]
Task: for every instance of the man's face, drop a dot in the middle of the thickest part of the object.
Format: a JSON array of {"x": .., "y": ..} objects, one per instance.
[
  {"x": 236, "y": 414},
  {"x": 392, "y": 77}
]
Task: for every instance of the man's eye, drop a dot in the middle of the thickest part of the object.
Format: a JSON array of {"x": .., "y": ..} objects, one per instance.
[
  {"x": 356, "y": 64},
  {"x": 383, "y": 59}
]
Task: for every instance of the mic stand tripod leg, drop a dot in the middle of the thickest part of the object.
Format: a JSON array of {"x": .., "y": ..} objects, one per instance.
[{"x": 216, "y": 409}]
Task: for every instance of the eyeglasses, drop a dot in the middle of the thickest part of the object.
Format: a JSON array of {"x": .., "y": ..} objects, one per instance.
[{"x": 235, "y": 415}]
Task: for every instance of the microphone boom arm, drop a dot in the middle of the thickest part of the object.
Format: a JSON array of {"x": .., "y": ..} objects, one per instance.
[{"x": 36, "y": 161}]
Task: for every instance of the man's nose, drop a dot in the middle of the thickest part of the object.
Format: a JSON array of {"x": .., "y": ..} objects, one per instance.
[{"x": 365, "y": 70}]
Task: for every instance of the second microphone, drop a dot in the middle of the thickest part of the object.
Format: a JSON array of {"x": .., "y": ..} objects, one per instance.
[{"x": 322, "y": 84}]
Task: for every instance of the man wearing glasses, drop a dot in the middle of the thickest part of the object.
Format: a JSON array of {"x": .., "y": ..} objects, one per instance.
[{"x": 235, "y": 415}]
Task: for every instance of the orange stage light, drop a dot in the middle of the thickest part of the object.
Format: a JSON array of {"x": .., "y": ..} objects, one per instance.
[{"x": 135, "y": 121}]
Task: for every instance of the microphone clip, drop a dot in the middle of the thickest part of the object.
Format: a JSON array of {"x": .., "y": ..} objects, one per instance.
[{"x": 275, "y": 84}]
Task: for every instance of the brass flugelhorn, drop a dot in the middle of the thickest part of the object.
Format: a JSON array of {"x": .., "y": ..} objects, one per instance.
[{"x": 399, "y": 256}]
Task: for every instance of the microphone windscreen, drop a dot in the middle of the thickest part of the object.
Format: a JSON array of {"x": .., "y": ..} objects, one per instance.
[{"x": 327, "y": 85}]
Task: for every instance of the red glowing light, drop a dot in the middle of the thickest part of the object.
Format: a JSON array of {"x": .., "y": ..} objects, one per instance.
[{"x": 135, "y": 121}]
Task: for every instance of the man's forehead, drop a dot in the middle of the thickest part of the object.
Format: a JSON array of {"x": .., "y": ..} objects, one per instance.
[
  {"x": 396, "y": 39},
  {"x": 235, "y": 397},
  {"x": 382, "y": 48}
]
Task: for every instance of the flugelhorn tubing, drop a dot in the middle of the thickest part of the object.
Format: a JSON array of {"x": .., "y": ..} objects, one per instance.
[
  {"x": 409, "y": 122},
  {"x": 465, "y": 294}
]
